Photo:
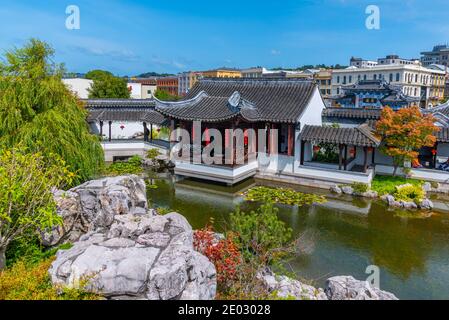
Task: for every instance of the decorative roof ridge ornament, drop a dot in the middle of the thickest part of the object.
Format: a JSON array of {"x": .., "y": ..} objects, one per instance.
[
  {"x": 236, "y": 102},
  {"x": 234, "y": 99},
  {"x": 183, "y": 103}
]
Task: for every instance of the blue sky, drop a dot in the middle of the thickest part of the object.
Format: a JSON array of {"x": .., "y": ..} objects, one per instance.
[{"x": 131, "y": 37}]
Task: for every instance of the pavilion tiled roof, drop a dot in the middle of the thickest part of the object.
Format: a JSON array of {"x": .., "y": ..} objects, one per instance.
[
  {"x": 210, "y": 109},
  {"x": 353, "y": 113},
  {"x": 119, "y": 103},
  {"x": 134, "y": 110},
  {"x": 442, "y": 109},
  {"x": 258, "y": 100},
  {"x": 361, "y": 136}
]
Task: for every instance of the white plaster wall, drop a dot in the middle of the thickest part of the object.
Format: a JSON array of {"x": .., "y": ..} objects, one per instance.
[
  {"x": 335, "y": 175},
  {"x": 79, "y": 86},
  {"x": 128, "y": 149},
  {"x": 146, "y": 88},
  {"x": 130, "y": 128},
  {"x": 136, "y": 90},
  {"x": 276, "y": 163},
  {"x": 310, "y": 116},
  {"x": 312, "y": 113}
]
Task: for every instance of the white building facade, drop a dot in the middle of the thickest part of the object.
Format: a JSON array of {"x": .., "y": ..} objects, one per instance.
[
  {"x": 79, "y": 86},
  {"x": 415, "y": 80}
]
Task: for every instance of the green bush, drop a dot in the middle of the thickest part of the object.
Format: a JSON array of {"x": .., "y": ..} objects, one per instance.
[
  {"x": 360, "y": 187},
  {"x": 132, "y": 166},
  {"x": 153, "y": 153},
  {"x": 26, "y": 281},
  {"x": 387, "y": 184},
  {"x": 259, "y": 232},
  {"x": 409, "y": 192}
]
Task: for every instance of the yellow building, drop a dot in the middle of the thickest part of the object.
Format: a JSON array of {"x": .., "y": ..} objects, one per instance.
[
  {"x": 324, "y": 80},
  {"x": 222, "y": 73}
]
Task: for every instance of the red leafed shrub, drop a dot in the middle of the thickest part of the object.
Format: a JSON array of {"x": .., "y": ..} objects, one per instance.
[{"x": 224, "y": 253}]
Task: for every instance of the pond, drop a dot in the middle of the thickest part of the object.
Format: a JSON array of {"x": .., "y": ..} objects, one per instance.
[{"x": 340, "y": 237}]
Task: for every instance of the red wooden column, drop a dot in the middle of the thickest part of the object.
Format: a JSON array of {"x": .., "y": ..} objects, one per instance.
[{"x": 291, "y": 139}]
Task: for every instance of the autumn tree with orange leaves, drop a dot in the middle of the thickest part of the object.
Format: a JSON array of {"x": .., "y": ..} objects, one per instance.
[{"x": 404, "y": 132}]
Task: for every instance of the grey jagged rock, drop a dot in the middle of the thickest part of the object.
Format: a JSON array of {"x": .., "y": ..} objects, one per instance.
[
  {"x": 348, "y": 288},
  {"x": 288, "y": 288},
  {"x": 94, "y": 205},
  {"x": 336, "y": 189},
  {"x": 138, "y": 257}
]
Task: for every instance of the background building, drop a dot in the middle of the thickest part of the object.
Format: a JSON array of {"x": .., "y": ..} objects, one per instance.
[
  {"x": 148, "y": 87},
  {"x": 415, "y": 80},
  {"x": 186, "y": 80},
  {"x": 369, "y": 94},
  {"x": 135, "y": 90},
  {"x": 395, "y": 59},
  {"x": 324, "y": 80},
  {"x": 439, "y": 55},
  {"x": 446, "y": 70},
  {"x": 79, "y": 86},
  {"x": 361, "y": 63},
  {"x": 222, "y": 73},
  {"x": 168, "y": 84}
]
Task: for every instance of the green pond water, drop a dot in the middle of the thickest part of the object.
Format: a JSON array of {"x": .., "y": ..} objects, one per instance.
[{"x": 341, "y": 237}]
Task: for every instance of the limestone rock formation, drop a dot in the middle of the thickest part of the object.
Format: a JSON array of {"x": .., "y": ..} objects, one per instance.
[
  {"x": 287, "y": 288},
  {"x": 348, "y": 288},
  {"x": 138, "y": 257},
  {"x": 94, "y": 205}
]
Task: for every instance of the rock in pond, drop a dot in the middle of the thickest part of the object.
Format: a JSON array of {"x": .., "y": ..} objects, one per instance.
[
  {"x": 426, "y": 204},
  {"x": 347, "y": 190},
  {"x": 138, "y": 257},
  {"x": 348, "y": 288},
  {"x": 336, "y": 189},
  {"x": 286, "y": 287}
]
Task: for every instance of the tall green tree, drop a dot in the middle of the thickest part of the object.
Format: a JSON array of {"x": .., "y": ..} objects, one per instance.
[
  {"x": 37, "y": 110},
  {"x": 165, "y": 95},
  {"x": 98, "y": 74},
  {"x": 107, "y": 86}
]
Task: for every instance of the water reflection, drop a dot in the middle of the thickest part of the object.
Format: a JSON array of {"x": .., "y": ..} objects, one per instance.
[{"x": 342, "y": 236}]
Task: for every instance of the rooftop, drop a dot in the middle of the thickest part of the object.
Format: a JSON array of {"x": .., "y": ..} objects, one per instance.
[
  {"x": 273, "y": 100},
  {"x": 361, "y": 136}
]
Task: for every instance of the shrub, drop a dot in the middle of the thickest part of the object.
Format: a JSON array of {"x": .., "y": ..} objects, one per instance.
[
  {"x": 132, "y": 166},
  {"x": 282, "y": 195},
  {"x": 259, "y": 233},
  {"x": 223, "y": 253},
  {"x": 409, "y": 192},
  {"x": 387, "y": 184},
  {"x": 360, "y": 187},
  {"x": 153, "y": 153},
  {"x": 25, "y": 281}
]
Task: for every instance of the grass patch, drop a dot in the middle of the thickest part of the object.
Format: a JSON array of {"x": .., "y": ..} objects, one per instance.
[
  {"x": 387, "y": 184},
  {"x": 282, "y": 195}
]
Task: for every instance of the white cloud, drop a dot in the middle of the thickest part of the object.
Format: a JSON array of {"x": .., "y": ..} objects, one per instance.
[{"x": 275, "y": 52}]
